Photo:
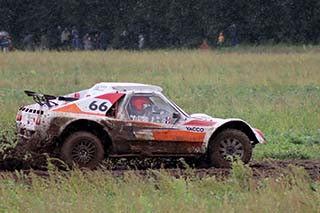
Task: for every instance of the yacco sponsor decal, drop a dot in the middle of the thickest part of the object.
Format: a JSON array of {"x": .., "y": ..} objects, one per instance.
[
  {"x": 200, "y": 123},
  {"x": 195, "y": 129},
  {"x": 178, "y": 135}
]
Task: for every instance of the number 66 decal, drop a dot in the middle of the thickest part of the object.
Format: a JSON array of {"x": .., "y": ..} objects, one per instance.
[{"x": 102, "y": 106}]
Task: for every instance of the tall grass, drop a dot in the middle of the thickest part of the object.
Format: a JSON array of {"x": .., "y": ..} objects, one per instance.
[
  {"x": 97, "y": 191},
  {"x": 276, "y": 90}
]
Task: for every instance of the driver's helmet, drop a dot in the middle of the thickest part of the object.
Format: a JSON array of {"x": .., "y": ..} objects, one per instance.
[{"x": 139, "y": 103}]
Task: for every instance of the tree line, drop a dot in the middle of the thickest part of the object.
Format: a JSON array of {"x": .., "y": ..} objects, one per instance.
[{"x": 168, "y": 23}]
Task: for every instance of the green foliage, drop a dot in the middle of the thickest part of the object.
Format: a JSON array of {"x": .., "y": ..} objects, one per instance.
[
  {"x": 241, "y": 175},
  {"x": 179, "y": 23},
  {"x": 8, "y": 138},
  {"x": 100, "y": 191}
]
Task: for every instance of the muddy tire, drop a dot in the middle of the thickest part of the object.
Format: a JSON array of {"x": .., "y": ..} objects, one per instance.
[
  {"x": 227, "y": 146},
  {"x": 82, "y": 149}
]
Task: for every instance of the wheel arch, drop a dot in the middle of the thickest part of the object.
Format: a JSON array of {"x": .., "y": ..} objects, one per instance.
[
  {"x": 88, "y": 126},
  {"x": 239, "y": 125}
]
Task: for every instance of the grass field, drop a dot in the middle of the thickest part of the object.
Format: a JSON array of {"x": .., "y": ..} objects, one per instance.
[
  {"x": 97, "y": 191},
  {"x": 276, "y": 89}
]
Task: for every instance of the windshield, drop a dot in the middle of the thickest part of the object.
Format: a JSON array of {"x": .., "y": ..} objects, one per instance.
[
  {"x": 152, "y": 107},
  {"x": 180, "y": 110}
]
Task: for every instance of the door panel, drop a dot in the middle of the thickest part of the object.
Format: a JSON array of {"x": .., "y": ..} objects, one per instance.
[{"x": 150, "y": 129}]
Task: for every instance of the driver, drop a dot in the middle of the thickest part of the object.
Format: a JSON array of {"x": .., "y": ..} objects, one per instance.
[
  {"x": 143, "y": 109},
  {"x": 140, "y": 105}
]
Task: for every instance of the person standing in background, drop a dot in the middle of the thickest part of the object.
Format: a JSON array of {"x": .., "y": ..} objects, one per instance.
[
  {"x": 5, "y": 44},
  {"x": 220, "y": 39},
  {"x": 103, "y": 38},
  {"x": 141, "y": 41},
  {"x": 65, "y": 38},
  {"x": 87, "y": 42},
  {"x": 233, "y": 34},
  {"x": 75, "y": 38}
]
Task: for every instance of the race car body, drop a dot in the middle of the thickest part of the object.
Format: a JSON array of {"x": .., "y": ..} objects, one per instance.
[{"x": 129, "y": 119}]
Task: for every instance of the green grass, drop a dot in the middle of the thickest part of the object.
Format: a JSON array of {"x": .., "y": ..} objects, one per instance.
[
  {"x": 97, "y": 191},
  {"x": 275, "y": 89}
]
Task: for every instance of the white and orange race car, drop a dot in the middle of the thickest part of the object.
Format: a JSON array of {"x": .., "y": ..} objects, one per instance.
[{"x": 130, "y": 120}]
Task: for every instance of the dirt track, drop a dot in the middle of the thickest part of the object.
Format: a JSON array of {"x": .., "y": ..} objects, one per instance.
[
  {"x": 15, "y": 159},
  {"x": 260, "y": 169},
  {"x": 273, "y": 168}
]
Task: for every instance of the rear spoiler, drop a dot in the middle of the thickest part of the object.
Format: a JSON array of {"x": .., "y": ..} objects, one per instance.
[{"x": 43, "y": 99}]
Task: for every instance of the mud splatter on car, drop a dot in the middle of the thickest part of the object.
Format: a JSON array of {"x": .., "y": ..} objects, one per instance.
[{"x": 129, "y": 120}]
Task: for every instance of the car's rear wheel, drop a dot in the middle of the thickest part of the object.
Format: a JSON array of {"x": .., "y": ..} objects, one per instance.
[
  {"x": 83, "y": 149},
  {"x": 229, "y": 145}
]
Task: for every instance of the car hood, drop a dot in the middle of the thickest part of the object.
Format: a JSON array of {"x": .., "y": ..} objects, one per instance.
[{"x": 205, "y": 119}]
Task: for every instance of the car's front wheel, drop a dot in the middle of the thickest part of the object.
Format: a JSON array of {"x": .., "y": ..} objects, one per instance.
[
  {"x": 229, "y": 145},
  {"x": 83, "y": 149}
]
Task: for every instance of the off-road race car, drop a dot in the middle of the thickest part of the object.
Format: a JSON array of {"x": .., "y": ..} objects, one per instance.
[{"x": 130, "y": 120}]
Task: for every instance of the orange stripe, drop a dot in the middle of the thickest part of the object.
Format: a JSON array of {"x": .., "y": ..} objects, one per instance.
[
  {"x": 178, "y": 135},
  {"x": 73, "y": 108}
]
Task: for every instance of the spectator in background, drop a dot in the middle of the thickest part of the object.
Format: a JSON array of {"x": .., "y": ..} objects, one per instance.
[
  {"x": 10, "y": 43},
  {"x": 220, "y": 39},
  {"x": 103, "y": 39},
  {"x": 4, "y": 43},
  {"x": 57, "y": 34},
  {"x": 1, "y": 40},
  {"x": 124, "y": 40},
  {"x": 96, "y": 41},
  {"x": 65, "y": 38},
  {"x": 75, "y": 38},
  {"x": 28, "y": 42},
  {"x": 233, "y": 34},
  {"x": 44, "y": 44},
  {"x": 141, "y": 41},
  {"x": 204, "y": 45},
  {"x": 87, "y": 42}
]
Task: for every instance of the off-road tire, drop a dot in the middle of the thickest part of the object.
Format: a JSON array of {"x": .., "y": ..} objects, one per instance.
[
  {"x": 82, "y": 149},
  {"x": 217, "y": 147}
]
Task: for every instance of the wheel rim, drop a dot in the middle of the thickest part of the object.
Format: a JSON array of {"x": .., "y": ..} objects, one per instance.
[
  {"x": 231, "y": 148},
  {"x": 83, "y": 152}
]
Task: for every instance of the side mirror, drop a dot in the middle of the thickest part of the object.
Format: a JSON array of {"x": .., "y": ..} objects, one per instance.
[{"x": 175, "y": 115}]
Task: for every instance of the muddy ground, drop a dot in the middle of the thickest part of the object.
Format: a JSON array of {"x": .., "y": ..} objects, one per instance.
[
  {"x": 19, "y": 159},
  {"x": 261, "y": 169}
]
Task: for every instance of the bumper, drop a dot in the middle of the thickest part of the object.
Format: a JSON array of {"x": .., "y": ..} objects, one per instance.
[{"x": 260, "y": 136}]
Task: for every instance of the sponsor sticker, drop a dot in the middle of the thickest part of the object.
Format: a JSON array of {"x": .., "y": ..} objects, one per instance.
[{"x": 195, "y": 129}]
